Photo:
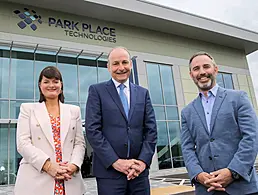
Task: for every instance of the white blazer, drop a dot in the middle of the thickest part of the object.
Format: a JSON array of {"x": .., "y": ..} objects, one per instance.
[{"x": 35, "y": 143}]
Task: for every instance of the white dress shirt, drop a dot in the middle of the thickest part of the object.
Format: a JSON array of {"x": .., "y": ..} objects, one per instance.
[{"x": 126, "y": 89}]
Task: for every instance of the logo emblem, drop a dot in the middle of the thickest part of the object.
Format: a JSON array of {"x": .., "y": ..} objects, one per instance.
[{"x": 29, "y": 18}]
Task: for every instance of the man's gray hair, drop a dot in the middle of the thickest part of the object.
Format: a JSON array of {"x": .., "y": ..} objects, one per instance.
[
  {"x": 201, "y": 53},
  {"x": 118, "y": 47}
]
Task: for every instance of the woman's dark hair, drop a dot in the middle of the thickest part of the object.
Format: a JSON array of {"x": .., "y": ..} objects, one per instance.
[{"x": 51, "y": 72}]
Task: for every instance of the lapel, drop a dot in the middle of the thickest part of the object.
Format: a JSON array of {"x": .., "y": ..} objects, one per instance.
[
  {"x": 111, "y": 88},
  {"x": 216, "y": 106},
  {"x": 65, "y": 118},
  {"x": 133, "y": 97},
  {"x": 42, "y": 117},
  {"x": 200, "y": 111}
]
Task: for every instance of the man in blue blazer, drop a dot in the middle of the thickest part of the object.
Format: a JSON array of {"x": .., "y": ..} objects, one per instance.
[
  {"x": 219, "y": 135},
  {"x": 121, "y": 128}
]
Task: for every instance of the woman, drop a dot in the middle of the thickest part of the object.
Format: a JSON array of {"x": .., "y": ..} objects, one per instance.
[{"x": 51, "y": 142}]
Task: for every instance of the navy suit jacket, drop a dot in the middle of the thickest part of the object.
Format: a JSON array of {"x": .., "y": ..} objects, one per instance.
[
  {"x": 232, "y": 142},
  {"x": 108, "y": 129}
]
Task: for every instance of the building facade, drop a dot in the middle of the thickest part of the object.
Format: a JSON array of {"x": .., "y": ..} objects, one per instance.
[{"x": 76, "y": 36}]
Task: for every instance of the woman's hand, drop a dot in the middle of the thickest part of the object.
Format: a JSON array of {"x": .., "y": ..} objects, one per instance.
[
  {"x": 55, "y": 170},
  {"x": 71, "y": 168}
]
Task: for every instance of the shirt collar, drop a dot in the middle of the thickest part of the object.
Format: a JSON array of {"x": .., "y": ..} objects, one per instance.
[
  {"x": 126, "y": 83},
  {"x": 213, "y": 91}
]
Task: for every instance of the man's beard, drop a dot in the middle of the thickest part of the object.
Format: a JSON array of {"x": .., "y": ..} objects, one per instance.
[{"x": 205, "y": 86}]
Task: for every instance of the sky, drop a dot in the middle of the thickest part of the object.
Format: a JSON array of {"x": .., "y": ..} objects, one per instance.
[{"x": 236, "y": 12}]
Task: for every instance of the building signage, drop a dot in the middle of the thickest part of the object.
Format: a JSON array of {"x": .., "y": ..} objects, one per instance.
[
  {"x": 84, "y": 30},
  {"x": 28, "y": 18},
  {"x": 75, "y": 29}
]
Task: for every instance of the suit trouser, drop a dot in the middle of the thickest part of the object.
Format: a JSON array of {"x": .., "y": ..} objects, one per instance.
[
  {"x": 121, "y": 186},
  {"x": 220, "y": 193},
  {"x": 225, "y": 193}
]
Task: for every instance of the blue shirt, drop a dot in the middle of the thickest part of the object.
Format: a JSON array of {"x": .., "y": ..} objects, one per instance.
[{"x": 208, "y": 102}]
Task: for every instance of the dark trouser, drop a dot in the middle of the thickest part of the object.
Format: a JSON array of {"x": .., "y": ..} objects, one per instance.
[
  {"x": 225, "y": 193},
  {"x": 220, "y": 193},
  {"x": 137, "y": 186}
]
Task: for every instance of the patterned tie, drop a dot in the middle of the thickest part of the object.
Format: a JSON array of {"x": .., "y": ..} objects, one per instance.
[{"x": 123, "y": 99}]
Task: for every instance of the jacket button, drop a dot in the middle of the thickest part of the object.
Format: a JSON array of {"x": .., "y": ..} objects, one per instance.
[
  {"x": 126, "y": 145},
  {"x": 212, "y": 139},
  {"x": 210, "y": 157},
  {"x": 128, "y": 128}
]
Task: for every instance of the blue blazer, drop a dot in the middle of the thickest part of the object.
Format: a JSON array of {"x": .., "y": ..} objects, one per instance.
[
  {"x": 108, "y": 130},
  {"x": 232, "y": 142}
]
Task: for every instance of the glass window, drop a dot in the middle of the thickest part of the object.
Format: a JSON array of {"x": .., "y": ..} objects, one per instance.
[
  {"x": 135, "y": 71},
  {"x": 68, "y": 69},
  {"x": 162, "y": 91},
  {"x": 4, "y": 73},
  {"x": 4, "y": 154},
  {"x": 225, "y": 80},
  {"x": 172, "y": 113},
  {"x": 174, "y": 132},
  {"x": 73, "y": 103},
  {"x": 46, "y": 58},
  {"x": 4, "y": 109},
  {"x": 228, "y": 81},
  {"x": 159, "y": 112},
  {"x": 164, "y": 157},
  {"x": 15, "y": 108},
  {"x": 103, "y": 73},
  {"x": 219, "y": 80},
  {"x": 87, "y": 76},
  {"x": 178, "y": 160},
  {"x": 168, "y": 85},
  {"x": 83, "y": 110},
  {"x": 154, "y": 83},
  {"x": 15, "y": 157},
  {"x": 22, "y": 70}
]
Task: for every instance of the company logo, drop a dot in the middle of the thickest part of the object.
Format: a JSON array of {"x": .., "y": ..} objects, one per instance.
[
  {"x": 29, "y": 18},
  {"x": 84, "y": 30}
]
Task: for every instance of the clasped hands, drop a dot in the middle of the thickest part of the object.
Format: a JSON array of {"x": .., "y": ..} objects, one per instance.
[
  {"x": 132, "y": 168},
  {"x": 217, "y": 180},
  {"x": 60, "y": 171}
]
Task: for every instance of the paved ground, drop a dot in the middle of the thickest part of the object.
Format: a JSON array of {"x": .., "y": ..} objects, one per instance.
[
  {"x": 178, "y": 190},
  {"x": 163, "y": 178}
]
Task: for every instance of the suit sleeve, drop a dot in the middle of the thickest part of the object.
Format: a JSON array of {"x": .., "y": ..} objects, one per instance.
[
  {"x": 244, "y": 158},
  {"x": 93, "y": 126},
  {"x": 30, "y": 153},
  {"x": 188, "y": 149},
  {"x": 150, "y": 133},
  {"x": 79, "y": 142}
]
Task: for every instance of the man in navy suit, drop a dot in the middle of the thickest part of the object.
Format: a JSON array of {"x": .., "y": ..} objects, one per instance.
[
  {"x": 121, "y": 128},
  {"x": 219, "y": 135}
]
